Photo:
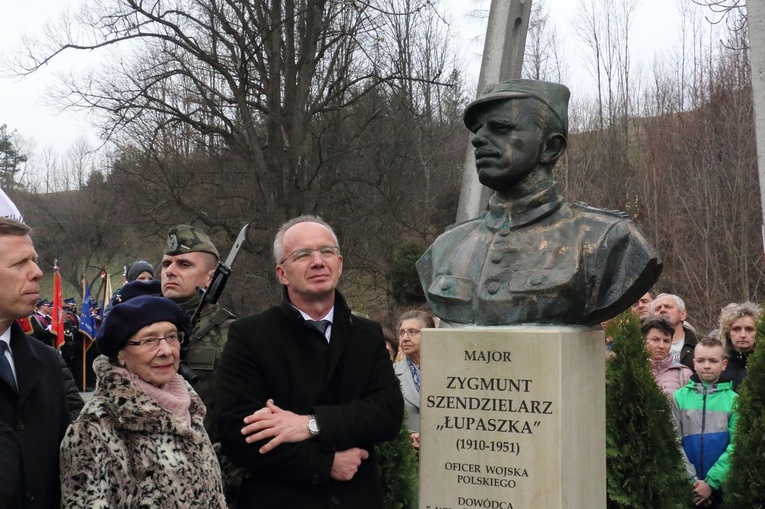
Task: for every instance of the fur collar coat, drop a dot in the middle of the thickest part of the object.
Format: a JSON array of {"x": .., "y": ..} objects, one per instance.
[{"x": 127, "y": 451}]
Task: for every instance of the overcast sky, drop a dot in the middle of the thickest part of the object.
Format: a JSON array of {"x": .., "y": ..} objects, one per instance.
[{"x": 22, "y": 101}]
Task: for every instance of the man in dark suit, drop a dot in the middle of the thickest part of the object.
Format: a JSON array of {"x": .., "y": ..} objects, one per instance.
[
  {"x": 305, "y": 389},
  {"x": 33, "y": 410}
]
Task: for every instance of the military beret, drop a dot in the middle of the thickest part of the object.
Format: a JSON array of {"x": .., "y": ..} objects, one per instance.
[
  {"x": 554, "y": 95},
  {"x": 183, "y": 238},
  {"x": 136, "y": 289},
  {"x": 127, "y": 318},
  {"x": 136, "y": 268}
]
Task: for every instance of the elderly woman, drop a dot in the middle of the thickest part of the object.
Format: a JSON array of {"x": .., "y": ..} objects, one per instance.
[
  {"x": 738, "y": 332},
  {"x": 140, "y": 442},
  {"x": 409, "y": 327},
  {"x": 670, "y": 375}
]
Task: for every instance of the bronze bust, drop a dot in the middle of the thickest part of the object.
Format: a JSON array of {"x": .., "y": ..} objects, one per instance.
[{"x": 532, "y": 257}]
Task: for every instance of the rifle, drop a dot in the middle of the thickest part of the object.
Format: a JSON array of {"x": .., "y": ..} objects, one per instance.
[{"x": 210, "y": 295}]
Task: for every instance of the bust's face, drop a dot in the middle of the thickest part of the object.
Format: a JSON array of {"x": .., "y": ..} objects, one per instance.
[{"x": 508, "y": 142}]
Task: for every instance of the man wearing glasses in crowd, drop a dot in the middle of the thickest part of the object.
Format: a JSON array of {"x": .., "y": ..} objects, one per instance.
[{"x": 305, "y": 389}]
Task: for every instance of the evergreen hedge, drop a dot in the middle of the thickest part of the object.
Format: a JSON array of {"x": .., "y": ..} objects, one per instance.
[
  {"x": 399, "y": 466},
  {"x": 745, "y": 486}
]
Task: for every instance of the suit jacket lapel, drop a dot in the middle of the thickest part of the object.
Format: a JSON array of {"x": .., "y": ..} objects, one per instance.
[
  {"x": 337, "y": 343},
  {"x": 341, "y": 333},
  {"x": 29, "y": 367}
]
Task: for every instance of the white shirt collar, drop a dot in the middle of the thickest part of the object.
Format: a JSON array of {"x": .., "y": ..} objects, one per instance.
[{"x": 6, "y": 336}]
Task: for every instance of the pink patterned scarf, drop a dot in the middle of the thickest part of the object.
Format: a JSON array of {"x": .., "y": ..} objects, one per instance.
[{"x": 173, "y": 396}]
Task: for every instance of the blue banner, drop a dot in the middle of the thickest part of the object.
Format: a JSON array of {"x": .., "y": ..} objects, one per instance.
[{"x": 87, "y": 322}]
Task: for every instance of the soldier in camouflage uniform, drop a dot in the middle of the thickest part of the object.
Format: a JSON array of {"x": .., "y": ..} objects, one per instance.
[{"x": 189, "y": 261}]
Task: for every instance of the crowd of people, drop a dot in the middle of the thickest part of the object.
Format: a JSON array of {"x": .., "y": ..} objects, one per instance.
[
  {"x": 75, "y": 345},
  {"x": 286, "y": 415},
  {"x": 283, "y": 409},
  {"x": 284, "y": 423},
  {"x": 701, "y": 378}
]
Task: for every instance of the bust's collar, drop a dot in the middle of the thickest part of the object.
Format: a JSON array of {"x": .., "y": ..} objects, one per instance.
[{"x": 521, "y": 212}]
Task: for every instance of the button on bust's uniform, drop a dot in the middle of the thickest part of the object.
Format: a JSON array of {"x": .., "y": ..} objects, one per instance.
[
  {"x": 496, "y": 257},
  {"x": 504, "y": 232},
  {"x": 492, "y": 287},
  {"x": 445, "y": 285},
  {"x": 537, "y": 280}
]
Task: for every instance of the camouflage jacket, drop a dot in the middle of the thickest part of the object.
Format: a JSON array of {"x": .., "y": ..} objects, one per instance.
[{"x": 204, "y": 354}]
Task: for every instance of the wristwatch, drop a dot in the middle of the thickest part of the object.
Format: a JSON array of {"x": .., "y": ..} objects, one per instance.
[{"x": 313, "y": 426}]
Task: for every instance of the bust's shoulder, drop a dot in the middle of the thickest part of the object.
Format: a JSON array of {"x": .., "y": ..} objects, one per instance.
[
  {"x": 468, "y": 223},
  {"x": 459, "y": 231},
  {"x": 604, "y": 215},
  {"x": 595, "y": 221}
]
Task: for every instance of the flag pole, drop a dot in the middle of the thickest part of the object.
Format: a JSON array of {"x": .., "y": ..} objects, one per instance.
[
  {"x": 82, "y": 340},
  {"x": 58, "y": 308},
  {"x": 106, "y": 289}
]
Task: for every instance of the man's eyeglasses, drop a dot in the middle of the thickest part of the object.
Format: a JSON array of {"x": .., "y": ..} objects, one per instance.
[
  {"x": 410, "y": 332},
  {"x": 152, "y": 343},
  {"x": 305, "y": 254}
]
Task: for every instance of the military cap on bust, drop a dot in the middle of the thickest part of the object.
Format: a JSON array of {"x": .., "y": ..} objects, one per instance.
[
  {"x": 183, "y": 238},
  {"x": 553, "y": 95}
]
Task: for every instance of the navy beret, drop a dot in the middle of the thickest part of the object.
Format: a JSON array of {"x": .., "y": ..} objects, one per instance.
[
  {"x": 127, "y": 318},
  {"x": 137, "y": 288}
]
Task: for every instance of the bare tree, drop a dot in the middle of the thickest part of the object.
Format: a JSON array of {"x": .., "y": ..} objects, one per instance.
[
  {"x": 542, "y": 59},
  {"x": 604, "y": 27},
  {"x": 246, "y": 77},
  {"x": 225, "y": 111}
]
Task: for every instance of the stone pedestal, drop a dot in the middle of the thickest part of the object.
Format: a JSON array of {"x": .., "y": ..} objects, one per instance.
[{"x": 513, "y": 418}]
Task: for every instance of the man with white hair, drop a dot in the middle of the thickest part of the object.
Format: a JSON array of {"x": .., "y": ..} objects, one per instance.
[
  {"x": 305, "y": 389},
  {"x": 684, "y": 340}
]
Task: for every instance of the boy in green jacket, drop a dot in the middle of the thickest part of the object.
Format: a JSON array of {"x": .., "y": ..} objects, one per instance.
[{"x": 705, "y": 422}]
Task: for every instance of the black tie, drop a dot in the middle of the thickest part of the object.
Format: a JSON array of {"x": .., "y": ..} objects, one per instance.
[
  {"x": 319, "y": 325},
  {"x": 5, "y": 367}
]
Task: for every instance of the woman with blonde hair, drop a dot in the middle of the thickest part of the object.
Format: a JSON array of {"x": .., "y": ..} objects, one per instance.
[{"x": 738, "y": 332}]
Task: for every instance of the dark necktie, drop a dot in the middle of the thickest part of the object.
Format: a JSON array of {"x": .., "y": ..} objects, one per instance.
[
  {"x": 319, "y": 325},
  {"x": 5, "y": 367}
]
